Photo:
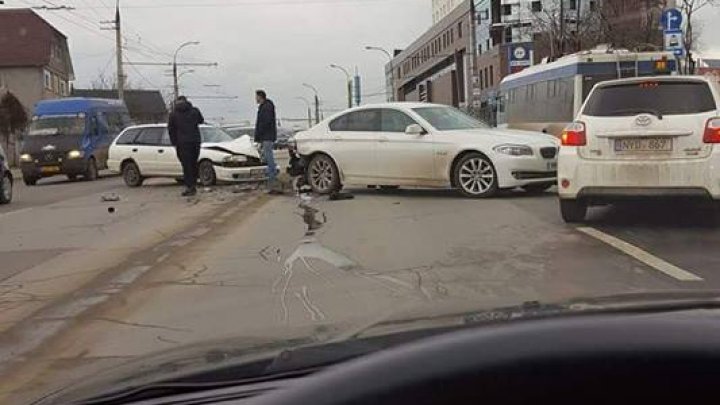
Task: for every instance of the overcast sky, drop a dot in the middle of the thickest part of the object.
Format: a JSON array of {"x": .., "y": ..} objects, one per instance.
[{"x": 271, "y": 44}]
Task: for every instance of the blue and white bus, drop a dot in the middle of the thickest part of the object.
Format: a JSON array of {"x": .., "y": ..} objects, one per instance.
[{"x": 548, "y": 96}]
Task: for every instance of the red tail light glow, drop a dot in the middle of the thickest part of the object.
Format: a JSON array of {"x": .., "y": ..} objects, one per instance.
[
  {"x": 574, "y": 135},
  {"x": 712, "y": 131}
]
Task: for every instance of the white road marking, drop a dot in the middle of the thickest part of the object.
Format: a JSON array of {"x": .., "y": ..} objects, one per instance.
[
  {"x": 641, "y": 255},
  {"x": 20, "y": 211}
]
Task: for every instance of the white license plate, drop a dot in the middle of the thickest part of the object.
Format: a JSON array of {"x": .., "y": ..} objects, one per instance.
[
  {"x": 551, "y": 166},
  {"x": 644, "y": 145}
]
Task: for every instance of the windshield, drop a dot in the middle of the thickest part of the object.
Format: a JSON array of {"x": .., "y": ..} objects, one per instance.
[
  {"x": 212, "y": 134},
  {"x": 57, "y": 125},
  {"x": 378, "y": 193},
  {"x": 449, "y": 119},
  {"x": 651, "y": 97}
]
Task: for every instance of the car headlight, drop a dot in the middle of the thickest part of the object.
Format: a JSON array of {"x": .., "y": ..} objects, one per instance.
[
  {"x": 235, "y": 159},
  {"x": 514, "y": 150},
  {"x": 25, "y": 157},
  {"x": 75, "y": 154}
]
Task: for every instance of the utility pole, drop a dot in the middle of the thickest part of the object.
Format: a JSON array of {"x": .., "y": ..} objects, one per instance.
[
  {"x": 116, "y": 26},
  {"x": 317, "y": 102},
  {"x": 348, "y": 76},
  {"x": 562, "y": 28}
]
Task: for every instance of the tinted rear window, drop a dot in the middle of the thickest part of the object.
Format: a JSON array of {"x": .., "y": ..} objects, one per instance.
[{"x": 652, "y": 97}]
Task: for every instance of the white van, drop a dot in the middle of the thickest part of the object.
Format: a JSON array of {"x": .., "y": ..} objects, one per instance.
[{"x": 650, "y": 137}]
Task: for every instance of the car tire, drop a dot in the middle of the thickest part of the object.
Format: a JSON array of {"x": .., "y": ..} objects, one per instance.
[
  {"x": 573, "y": 211},
  {"x": 538, "y": 188},
  {"x": 206, "y": 174},
  {"x": 30, "y": 180},
  {"x": 475, "y": 176},
  {"x": 131, "y": 175},
  {"x": 6, "y": 189},
  {"x": 91, "y": 171},
  {"x": 323, "y": 175}
]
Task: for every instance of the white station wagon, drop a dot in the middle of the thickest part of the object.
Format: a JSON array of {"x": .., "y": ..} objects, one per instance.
[
  {"x": 642, "y": 138},
  {"x": 424, "y": 145},
  {"x": 144, "y": 151}
]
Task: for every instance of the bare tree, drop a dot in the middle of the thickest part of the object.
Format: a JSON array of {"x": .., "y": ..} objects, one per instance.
[
  {"x": 631, "y": 25},
  {"x": 105, "y": 82},
  {"x": 558, "y": 30},
  {"x": 690, "y": 9}
]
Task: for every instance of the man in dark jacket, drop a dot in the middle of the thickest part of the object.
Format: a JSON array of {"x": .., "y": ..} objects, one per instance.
[
  {"x": 185, "y": 137},
  {"x": 266, "y": 133}
]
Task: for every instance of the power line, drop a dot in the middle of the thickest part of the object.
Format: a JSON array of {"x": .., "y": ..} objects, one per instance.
[{"x": 262, "y": 3}]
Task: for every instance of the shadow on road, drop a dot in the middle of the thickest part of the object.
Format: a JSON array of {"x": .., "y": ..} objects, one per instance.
[
  {"x": 656, "y": 215},
  {"x": 63, "y": 180},
  {"x": 444, "y": 193}
]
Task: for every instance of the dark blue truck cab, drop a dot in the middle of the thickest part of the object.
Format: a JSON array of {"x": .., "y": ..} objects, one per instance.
[{"x": 71, "y": 137}]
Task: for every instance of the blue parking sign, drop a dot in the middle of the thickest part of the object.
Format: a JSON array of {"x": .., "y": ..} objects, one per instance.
[{"x": 671, "y": 19}]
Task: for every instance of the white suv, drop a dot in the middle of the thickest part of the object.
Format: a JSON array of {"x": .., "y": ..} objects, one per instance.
[{"x": 651, "y": 137}]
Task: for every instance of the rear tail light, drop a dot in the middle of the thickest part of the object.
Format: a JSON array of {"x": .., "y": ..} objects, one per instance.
[
  {"x": 574, "y": 135},
  {"x": 712, "y": 131}
]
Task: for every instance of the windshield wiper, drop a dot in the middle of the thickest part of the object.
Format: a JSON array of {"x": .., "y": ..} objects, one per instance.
[{"x": 650, "y": 111}]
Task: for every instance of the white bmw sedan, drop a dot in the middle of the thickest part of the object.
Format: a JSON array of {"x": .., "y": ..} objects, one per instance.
[
  {"x": 144, "y": 151},
  {"x": 424, "y": 145}
]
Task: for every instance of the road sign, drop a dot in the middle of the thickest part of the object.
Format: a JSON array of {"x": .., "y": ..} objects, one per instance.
[
  {"x": 674, "y": 42},
  {"x": 671, "y": 19}
]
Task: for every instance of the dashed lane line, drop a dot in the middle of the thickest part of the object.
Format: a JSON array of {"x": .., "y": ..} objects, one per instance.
[{"x": 641, "y": 255}]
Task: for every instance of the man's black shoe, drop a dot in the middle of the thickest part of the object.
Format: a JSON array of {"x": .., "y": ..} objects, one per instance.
[{"x": 189, "y": 192}]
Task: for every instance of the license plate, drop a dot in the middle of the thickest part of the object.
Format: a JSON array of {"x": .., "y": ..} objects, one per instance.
[
  {"x": 257, "y": 172},
  {"x": 644, "y": 145},
  {"x": 552, "y": 166},
  {"x": 50, "y": 169}
]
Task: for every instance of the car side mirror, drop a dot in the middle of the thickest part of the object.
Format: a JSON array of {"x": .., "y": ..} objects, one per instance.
[{"x": 415, "y": 130}]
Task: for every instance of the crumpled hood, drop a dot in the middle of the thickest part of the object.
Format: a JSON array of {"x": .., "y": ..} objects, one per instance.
[
  {"x": 504, "y": 136},
  {"x": 240, "y": 146}
]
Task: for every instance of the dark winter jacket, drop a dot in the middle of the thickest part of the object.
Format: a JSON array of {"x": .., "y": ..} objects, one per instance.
[
  {"x": 266, "y": 124},
  {"x": 183, "y": 124}
]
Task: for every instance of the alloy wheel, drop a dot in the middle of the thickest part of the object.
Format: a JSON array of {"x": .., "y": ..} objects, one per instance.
[{"x": 476, "y": 176}]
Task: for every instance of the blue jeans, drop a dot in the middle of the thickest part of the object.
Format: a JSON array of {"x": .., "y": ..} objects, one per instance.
[{"x": 269, "y": 155}]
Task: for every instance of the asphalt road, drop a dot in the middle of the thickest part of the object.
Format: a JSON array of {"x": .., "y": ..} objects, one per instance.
[
  {"x": 260, "y": 273},
  {"x": 54, "y": 189}
]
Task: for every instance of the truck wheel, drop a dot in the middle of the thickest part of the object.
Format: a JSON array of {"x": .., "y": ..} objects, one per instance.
[
  {"x": 30, "y": 180},
  {"x": 6, "y": 189},
  {"x": 573, "y": 211},
  {"x": 91, "y": 171}
]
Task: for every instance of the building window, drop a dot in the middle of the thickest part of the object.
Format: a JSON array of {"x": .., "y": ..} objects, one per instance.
[
  {"x": 573, "y": 4},
  {"x": 507, "y": 9},
  {"x": 487, "y": 45},
  {"x": 48, "y": 80},
  {"x": 460, "y": 30},
  {"x": 492, "y": 76},
  {"x": 486, "y": 77},
  {"x": 481, "y": 80},
  {"x": 593, "y": 5},
  {"x": 536, "y": 6},
  {"x": 452, "y": 35},
  {"x": 480, "y": 51},
  {"x": 508, "y": 35}
]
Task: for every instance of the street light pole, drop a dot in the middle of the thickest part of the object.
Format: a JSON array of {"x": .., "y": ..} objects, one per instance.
[
  {"x": 317, "y": 102},
  {"x": 392, "y": 69},
  {"x": 176, "y": 90},
  {"x": 309, "y": 110},
  {"x": 349, "y": 82}
]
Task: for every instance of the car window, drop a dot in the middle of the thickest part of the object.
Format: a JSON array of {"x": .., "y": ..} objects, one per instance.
[
  {"x": 653, "y": 97},
  {"x": 358, "y": 121},
  {"x": 165, "y": 140},
  {"x": 448, "y": 118},
  {"x": 212, "y": 134},
  {"x": 395, "y": 121},
  {"x": 150, "y": 136},
  {"x": 128, "y": 137}
]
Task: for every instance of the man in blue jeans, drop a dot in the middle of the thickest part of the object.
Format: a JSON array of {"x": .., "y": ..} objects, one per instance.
[{"x": 266, "y": 135}]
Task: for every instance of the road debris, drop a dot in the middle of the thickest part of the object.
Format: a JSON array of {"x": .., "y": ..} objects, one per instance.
[{"x": 110, "y": 197}]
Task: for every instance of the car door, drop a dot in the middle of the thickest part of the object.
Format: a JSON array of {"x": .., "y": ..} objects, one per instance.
[
  {"x": 124, "y": 147},
  {"x": 353, "y": 141},
  {"x": 168, "y": 162},
  {"x": 403, "y": 158},
  {"x": 146, "y": 149}
]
